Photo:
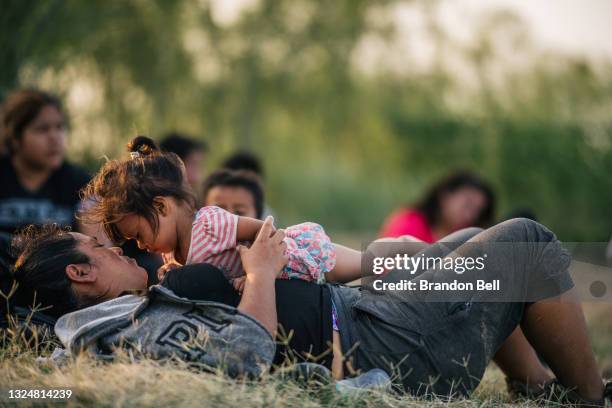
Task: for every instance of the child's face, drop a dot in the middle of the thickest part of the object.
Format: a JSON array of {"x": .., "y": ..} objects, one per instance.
[
  {"x": 237, "y": 200},
  {"x": 137, "y": 227}
]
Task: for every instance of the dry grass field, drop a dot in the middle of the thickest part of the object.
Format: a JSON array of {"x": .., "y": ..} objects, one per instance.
[{"x": 125, "y": 383}]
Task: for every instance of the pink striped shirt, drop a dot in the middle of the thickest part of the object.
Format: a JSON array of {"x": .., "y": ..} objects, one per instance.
[{"x": 214, "y": 241}]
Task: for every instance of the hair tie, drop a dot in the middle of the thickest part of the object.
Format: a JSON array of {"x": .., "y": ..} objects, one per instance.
[{"x": 135, "y": 155}]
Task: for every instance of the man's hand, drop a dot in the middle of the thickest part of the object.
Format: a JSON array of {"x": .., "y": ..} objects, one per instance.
[
  {"x": 262, "y": 262},
  {"x": 268, "y": 254}
]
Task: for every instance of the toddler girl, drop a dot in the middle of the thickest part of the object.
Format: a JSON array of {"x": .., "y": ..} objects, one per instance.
[{"x": 146, "y": 198}]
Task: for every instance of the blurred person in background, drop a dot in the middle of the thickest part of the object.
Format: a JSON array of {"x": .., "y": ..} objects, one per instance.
[
  {"x": 191, "y": 151},
  {"x": 238, "y": 192},
  {"x": 460, "y": 200},
  {"x": 248, "y": 162},
  {"x": 39, "y": 186}
]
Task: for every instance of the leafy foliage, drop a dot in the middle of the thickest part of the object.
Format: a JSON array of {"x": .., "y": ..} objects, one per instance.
[{"x": 342, "y": 146}]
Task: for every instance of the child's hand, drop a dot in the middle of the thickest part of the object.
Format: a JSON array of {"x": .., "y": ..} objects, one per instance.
[
  {"x": 239, "y": 284},
  {"x": 161, "y": 272}
]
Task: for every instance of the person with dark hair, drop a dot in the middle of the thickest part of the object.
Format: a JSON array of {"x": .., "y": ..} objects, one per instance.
[
  {"x": 244, "y": 160},
  {"x": 237, "y": 192},
  {"x": 424, "y": 341},
  {"x": 191, "y": 152},
  {"x": 147, "y": 199},
  {"x": 248, "y": 162},
  {"x": 460, "y": 200},
  {"x": 38, "y": 184},
  {"x": 46, "y": 269}
]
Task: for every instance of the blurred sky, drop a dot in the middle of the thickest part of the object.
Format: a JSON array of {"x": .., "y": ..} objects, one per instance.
[{"x": 577, "y": 26}]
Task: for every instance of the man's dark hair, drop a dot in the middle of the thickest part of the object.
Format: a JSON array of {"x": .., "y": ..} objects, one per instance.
[
  {"x": 181, "y": 144},
  {"x": 42, "y": 254},
  {"x": 244, "y": 160},
  {"x": 230, "y": 178},
  {"x": 430, "y": 204}
]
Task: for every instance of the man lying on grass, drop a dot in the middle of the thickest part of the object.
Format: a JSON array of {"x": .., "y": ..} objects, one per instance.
[{"x": 439, "y": 348}]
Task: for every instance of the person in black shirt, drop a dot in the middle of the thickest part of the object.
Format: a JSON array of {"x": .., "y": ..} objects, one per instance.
[
  {"x": 301, "y": 307},
  {"x": 449, "y": 341},
  {"x": 38, "y": 185}
]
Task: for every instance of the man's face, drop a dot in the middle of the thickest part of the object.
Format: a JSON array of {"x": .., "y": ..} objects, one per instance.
[
  {"x": 237, "y": 200},
  {"x": 114, "y": 273},
  {"x": 43, "y": 141}
]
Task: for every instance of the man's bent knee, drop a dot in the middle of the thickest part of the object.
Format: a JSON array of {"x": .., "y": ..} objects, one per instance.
[{"x": 526, "y": 230}]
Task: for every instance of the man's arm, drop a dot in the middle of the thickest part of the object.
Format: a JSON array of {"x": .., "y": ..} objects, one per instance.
[{"x": 262, "y": 262}]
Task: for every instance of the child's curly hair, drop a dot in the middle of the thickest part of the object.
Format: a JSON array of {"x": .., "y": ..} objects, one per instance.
[{"x": 124, "y": 187}]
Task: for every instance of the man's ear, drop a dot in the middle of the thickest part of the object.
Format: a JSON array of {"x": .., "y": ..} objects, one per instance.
[
  {"x": 81, "y": 273},
  {"x": 161, "y": 205}
]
